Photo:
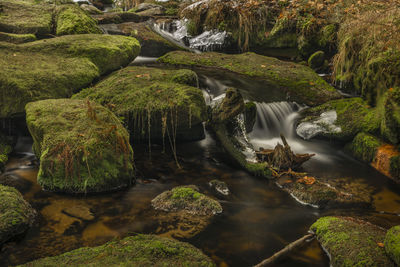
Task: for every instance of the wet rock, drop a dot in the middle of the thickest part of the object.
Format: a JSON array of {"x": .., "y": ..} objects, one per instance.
[
  {"x": 146, "y": 6},
  {"x": 301, "y": 83},
  {"x": 119, "y": 17},
  {"x": 151, "y": 12},
  {"x": 327, "y": 194},
  {"x": 80, "y": 212},
  {"x": 5, "y": 150},
  {"x": 15, "y": 181},
  {"x": 316, "y": 60},
  {"x": 16, "y": 215},
  {"x": 351, "y": 242},
  {"x": 57, "y": 67},
  {"x": 188, "y": 199},
  {"x": 220, "y": 187},
  {"x": 250, "y": 116},
  {"x": 392, "y": 244},
  {"x": 155, "y": 103},
  {"x": 139, "y": 250},
  {"x": 91, "y": 9},
  {"x": 87, "y": 150},
  {"x": 339, "y": 119}
]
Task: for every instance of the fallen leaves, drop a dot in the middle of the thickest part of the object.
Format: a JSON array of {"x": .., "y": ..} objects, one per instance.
[{"x": 308, "y": 180}]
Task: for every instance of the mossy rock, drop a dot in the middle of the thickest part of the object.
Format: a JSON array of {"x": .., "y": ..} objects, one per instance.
[
  {"x": 17, "y": 38},
  {"x": 153, "y": 102},
  {"x": 119, "y": 17},
  {"x": 316, "y": 60},
  {"x": 187, "y": 199},
  {"x": 16, "y": 215},
  {"x": 250, "y": 115},
  {"x": 58, "y": 67},
  {"x": 390, "y": 126},
  {"x": 351, "y": 242},
  {"x": 364, "y": 147},
  {"x": 5, "y": 149},
  {"x": 140, "y": 250},
  {"x": 82, "y": 146},
  {"x": 91, "y": 9},
  {"x": 392, "y": 243},
  {"x": 71, "y": 19},
  {"x": 26, "y": 16},
  {"x": 353, "y": 116},
  {"x": 301, "y": 83}
]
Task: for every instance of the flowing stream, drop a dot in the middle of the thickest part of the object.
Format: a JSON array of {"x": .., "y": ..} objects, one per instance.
[{"x": 258, "y": 218}]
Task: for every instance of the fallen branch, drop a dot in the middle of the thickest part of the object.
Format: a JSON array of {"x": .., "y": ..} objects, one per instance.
[{"x": 285, "y": 251}]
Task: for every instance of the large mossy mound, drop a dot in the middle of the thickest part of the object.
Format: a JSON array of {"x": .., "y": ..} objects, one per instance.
[
  {"x": 155, "y": 103},
  {"x": 82, "y": 146},
  {"x": 364, "y": 147},
  {"x": 392, "y": 243},
  {"x": 140, "y": 250},
  {"x": 43, "y": 19},
  {"x": 17, "y": 38},
  {"x": 71, "y": 19},
  {"x": 188, "y": 199},
  {"x": 353, "y": 116},
  {"x": 302, "y": 84},
  {"x": 351, "y": 242},
  {"x": 58, "y": 67},
  {"x": 16, "y": 215}
]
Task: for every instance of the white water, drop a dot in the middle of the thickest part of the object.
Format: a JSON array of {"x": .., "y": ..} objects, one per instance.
[{"x": 324, "y": 124}]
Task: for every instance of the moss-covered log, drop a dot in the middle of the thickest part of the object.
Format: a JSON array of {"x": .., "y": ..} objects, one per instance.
[{"x": 82, "y": 146}]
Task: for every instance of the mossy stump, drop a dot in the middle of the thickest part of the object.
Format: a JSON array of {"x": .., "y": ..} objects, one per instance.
[{"x": 82, "y": 146}]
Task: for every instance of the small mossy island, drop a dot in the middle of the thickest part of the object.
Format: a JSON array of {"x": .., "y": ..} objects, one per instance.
[
  {"x": 140, "y": 250},
  {"x": 351, "y": 242},
  {"x": 392, "y": 243},
  {"x": 58, "y": 67},
  {"x": 16, "y": 215},
  {"x": 82, "y": 146},
  {"x": 156, "y": 104},
  {"x": 301, "y": 83}
]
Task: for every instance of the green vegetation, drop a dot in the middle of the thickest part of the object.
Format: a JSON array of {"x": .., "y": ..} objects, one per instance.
[
  {"x": 364, "y": 147},
  {"x": 302, "y": 83},
  {"x": 81, "y": 145},
  {"x": 71, "y": 19},
  {"x": 16, "y": 215},
  {"x": 186, "y": 199},
  {"x": 58, "y": 67},
  {"x": 17, "y": 38},
  {"x": 5, "y": 149},
  {"x": 390, "y": 126},
  {"x": 140, "y": 250},
  {"x": 351, "y": 242},
  {"x": 316, "y": 60},
  {"x": 154, "y": 103},
  {"x": 392, "y": 243}
]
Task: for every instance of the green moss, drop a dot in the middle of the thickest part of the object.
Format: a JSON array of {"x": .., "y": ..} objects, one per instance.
[
  {"x": 57, "y": 67},
  {"x": 71, "y": 19},
  {"x": 353, "y": 116},
  {"x": 392, "y": 243},
  {"x": 303, "y": 84},
  {"x": 5, "y": 149},
  {"x": 16, "y": 215},
  {"x": 17, "y": 38},
  {"x": 316, "y": 60},
  {"x": 140, "y": 250},
  {"x": 81, "y": 145},
  {"x": 328, "y": 36},
  {"x": 351, "y": 242},
  {"x": 186, "y": 199},
  {"x": 364, "y": 147},
  {"x": 390, "y": 126},
  {"x": 152, "y": 99}
]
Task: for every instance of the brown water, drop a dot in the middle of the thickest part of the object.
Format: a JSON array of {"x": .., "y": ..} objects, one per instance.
[{"x": 258, "y": 219}]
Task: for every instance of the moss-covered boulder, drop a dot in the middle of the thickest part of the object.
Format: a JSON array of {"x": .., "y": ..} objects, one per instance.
[
  {"x": 5, "y": 149},
  {"x": 140, "y": 250},
  {"x": 390, "y": 126},
  {"x": 301, "y": 83},
  {"x": 184, "y": 212},
  {"x": 119, "y": 17},
  {"x": 43, "y": 19},
  {"x": 16, "y": 215},
  {"x": 339, "y": 119},
  {"x": 392, "y": 243},
  {"x": 58, "y": 67},
  {"x": 81, "y": 145},
  {"x": 17, "y": 38},
  {"x": 71, "y": 19},
  {"x": 351, "y": 242},
  {"x": 364, "y": 147},
  {"x": 155, "y": 103},
  {"x": 152, "y": 43}
]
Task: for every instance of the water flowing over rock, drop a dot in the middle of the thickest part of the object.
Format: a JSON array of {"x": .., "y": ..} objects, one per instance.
[{"x": 324, "y": 124}]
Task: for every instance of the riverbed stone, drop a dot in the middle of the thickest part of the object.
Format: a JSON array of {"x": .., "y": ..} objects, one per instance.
[
  {"x": 79, "y": 211},
  {"x": 301, "y": 83},
  {"x": 16, "y": 215},
  {"x": 219, "y": 187},
  {"x": 57, "y": 67},
  {"x": 352, "y": 242},
  {"x": 154, "y": 103},
  {"x": 139, "y": 250},
  {"x": 392, "y": 243},
  {"x": 81, "y": 145}
]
